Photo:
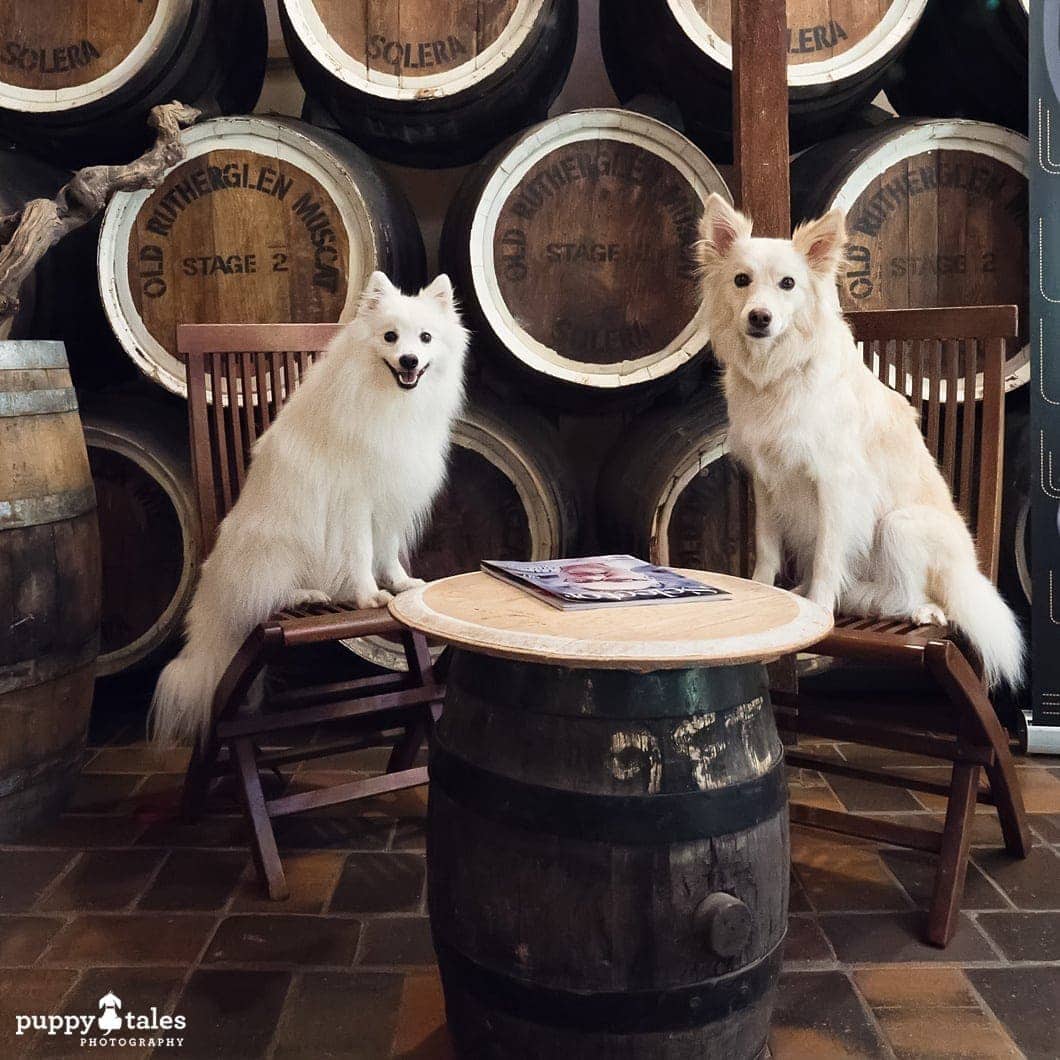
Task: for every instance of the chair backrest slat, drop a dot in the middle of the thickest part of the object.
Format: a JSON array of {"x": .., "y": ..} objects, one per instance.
[
  {"x": 239, "y": 378},
  {"x": 934, "y": 357}
]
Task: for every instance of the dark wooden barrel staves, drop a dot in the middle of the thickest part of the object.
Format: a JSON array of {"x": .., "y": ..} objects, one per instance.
[
  {"x": 936, "y": 216},
  {"x": 425, "y": 83},
  {"x": 50, "y": 595},
  {"x": 148, "y": 527},
  {"x": 607, "y": 861},
  {"x": 572, "y": 246},
  {"x": 966, "y": 60},
  {"x": 508, "y": 495},
  {"x": 267, "y": 220},
  {"x": 671, "y": 492},
  {"x": 838, "y": 56},
  {"x": 78, "y": 78}
]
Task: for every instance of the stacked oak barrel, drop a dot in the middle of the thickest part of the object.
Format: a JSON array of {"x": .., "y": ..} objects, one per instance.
[{"x": 562, "y": 199}]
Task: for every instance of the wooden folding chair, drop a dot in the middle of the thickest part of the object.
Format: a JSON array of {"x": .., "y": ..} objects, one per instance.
[
  {"x": 932, "y": 357},
  {"x": 239, "y": 377}
]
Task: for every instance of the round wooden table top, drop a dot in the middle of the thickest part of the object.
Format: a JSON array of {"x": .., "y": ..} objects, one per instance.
[{"x": 483, "y": 614}]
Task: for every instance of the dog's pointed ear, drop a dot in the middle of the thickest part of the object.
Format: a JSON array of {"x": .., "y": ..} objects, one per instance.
[
  {"x": 720, "y": 227},
  {"x": 822, "y": 242},
  {"x": 441, "y": 290},
  {"x": 375, "y": 289}
]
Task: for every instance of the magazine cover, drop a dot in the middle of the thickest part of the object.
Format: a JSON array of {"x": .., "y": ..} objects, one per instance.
[{"x": 600, "y": 581}]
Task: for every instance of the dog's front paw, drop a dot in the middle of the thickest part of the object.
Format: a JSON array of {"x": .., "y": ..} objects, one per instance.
[
  {"x": 374, "y": 598},
  {"x": 930, "y": 615},
  {"x": 822, "y": 596},
  {"x": 403, "y": 585},
  {"x": 309, "y": 596}
]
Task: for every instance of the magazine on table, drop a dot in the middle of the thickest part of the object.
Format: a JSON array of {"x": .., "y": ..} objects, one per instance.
[{"x": 601, "y": 581}]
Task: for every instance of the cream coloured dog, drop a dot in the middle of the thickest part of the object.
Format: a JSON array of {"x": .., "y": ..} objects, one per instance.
[
  {"x": 842, "y": 477},
  {"x": 337, "y": 489}
]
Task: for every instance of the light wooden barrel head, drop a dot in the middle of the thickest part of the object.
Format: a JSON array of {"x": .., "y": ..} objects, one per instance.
[
  {"x": 50, "y": 46},
  {"x": 415, "y": 49},
  {"x": 937, "y": 216},
  {"x": 582, "y": 248},
  {"x": 827, "y": 39},
  {"x": 262, "y": 223},
  {"x": 483, "y": 614}
]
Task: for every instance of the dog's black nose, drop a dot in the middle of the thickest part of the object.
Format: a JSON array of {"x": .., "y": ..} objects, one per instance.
[
  {"x": 408, "y": 361},
  {"x": 760, "y": 318}
]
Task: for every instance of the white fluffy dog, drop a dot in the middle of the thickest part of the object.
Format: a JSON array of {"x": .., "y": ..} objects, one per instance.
[
  {"x": 842, "y": 476},
  {"x": 336, "y": 492}
]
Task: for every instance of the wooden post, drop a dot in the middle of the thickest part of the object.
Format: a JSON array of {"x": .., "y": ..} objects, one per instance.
[{"x": 760, "y": 114}]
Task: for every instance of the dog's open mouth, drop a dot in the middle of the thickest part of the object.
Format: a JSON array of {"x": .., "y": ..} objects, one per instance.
[{"x": 407, "y": 379}]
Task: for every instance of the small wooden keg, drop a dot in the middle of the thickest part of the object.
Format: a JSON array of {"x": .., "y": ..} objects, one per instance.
[
  {"x": 573, "y": 249},
  {"x": 267, "y": 220},
  {"x": 50, "y": 599},
  {"x": 936, "y": 216},
  {"x": 508, "y": 495},
  {"x": 671, "y": 493},
  {"x": 148, "y": 527},
  {"x": 425, "y": 83},
  {"x": 607, "y": 853},
  {"x": 966, "y": 60},
  {"x": 838, "y": 57},
  {"x": 78, "y": 77}
]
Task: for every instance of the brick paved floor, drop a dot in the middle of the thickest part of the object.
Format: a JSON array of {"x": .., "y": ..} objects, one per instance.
[{"x": 118, "y": 896}]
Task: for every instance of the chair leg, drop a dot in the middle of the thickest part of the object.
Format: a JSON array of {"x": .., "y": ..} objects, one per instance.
[
  {"x": 404, "y": 753},
  {"x": 965, "y": 690},
  {"x": 197, "y": 780},
  {"x": 263, "y": 839},
  {"x": 953, "y": 855}
]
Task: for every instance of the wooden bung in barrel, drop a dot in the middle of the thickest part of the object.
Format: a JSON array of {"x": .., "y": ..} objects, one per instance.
[
  {"x": 266, "y": 221},
  {"x": 78, "y": 78},
  {"x": 966, "y": 60},
  {"x": 608, "y": 871},
  {"x": 49, "y": 585},
  {"x": 936, "y": 216},
  {"x": 670, "y": 491},
  {"x": 838, "y": 56},
  {"x": 508, "y": 495},
  {"x": 425, "y": 83},
  {"x": 572, "y": 247},
  {"x": 148, "y": 526}
]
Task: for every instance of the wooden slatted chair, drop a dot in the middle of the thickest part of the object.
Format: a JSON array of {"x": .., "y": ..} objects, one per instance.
[
  {"x": 932, "y": 357},
  {"x": 261, "y": 366}
]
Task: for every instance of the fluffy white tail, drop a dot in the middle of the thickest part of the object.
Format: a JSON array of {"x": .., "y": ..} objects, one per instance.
[
  {"x": 975, "y": 607},
  {"x": 181, "y": 705}
]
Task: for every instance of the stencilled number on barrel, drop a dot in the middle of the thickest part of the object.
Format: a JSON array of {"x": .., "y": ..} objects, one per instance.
[
  {"x": 636, "y": 754},
  {"x": 279, "y": 262}
]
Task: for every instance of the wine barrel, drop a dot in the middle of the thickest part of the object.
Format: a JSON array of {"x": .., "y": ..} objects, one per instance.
[
  {"x": 966, "y": 60},
  {"x": 607, "y": 861},
  {"x": 78, "y": 78},
  {"x": 936, "y": 216},
  {"x": 508, "y": 495},
  {"x": 49, "y": 556},
  {"x": 267, "y": 220},
  {"x": 573, "y": 249},
  {"x": 838, "y": 56},
  {"x": 430, "y": 84},
  {"x": 148, "y": 528},
  {"x": 1014, "y": 573},
  {"x": 671, "y": 492}
]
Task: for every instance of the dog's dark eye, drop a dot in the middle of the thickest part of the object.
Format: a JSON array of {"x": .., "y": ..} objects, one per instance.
[
  {"x": 425, "y": 336},
  {"x": 391, "y": 337},
  {"x": 741, "y": 279},
  {"x": 787, "y": 283}
]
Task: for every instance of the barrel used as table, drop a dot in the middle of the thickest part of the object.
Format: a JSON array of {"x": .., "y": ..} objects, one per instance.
[
  {"x": 607, "y": 836},
  {"x": 49, "y": 585}
]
